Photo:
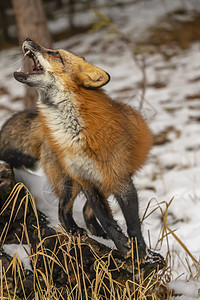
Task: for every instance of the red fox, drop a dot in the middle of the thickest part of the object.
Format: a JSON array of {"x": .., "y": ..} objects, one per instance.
[{"x": 85, "y": 141}]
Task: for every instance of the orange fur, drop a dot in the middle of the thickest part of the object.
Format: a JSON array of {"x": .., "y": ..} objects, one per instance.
[{"x": 118, "y": 138}]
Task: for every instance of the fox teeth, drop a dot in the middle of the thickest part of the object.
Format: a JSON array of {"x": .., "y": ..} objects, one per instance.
[{"x": 27, "y": 52}]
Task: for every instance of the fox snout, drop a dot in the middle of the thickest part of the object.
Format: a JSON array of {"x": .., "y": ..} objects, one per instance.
[
  {"x": 31, "y": 44},
  {"x": 33, "y": 51}
]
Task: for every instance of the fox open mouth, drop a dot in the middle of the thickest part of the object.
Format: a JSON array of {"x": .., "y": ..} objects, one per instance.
[
  {"x": 36, "y": 67},
  {"x": 36, "y": 64}
]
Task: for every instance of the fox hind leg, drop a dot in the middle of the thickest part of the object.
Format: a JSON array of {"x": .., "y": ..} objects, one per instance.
[
  {"x": 101, "y": 211},
  {"x": 128, "y": 201},
  {"x": 18, "y": 159},
  {"x": 19, "y": 140}
]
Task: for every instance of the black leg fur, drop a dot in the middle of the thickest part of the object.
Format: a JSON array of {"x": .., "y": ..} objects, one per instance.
[
  {"x": 66, "y": 209},
  {"x": 128, "y": 201},
  {"x": 18, "y": 159},
  {"x": 99, "y": 206},
  {"x": 19, "y": 141},
  {"x": 91, "y": 221}
]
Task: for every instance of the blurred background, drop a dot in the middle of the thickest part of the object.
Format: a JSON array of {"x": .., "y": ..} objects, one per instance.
[{"x": 151, "y": 49}]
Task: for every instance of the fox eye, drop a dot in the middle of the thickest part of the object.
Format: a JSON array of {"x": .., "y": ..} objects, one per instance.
[
  {"x": 57, "y": 54},
  {"x": 54, "y": 53}
]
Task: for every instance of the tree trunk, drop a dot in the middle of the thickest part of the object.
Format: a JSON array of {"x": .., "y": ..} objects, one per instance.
[{"x": 31, "y": 23}]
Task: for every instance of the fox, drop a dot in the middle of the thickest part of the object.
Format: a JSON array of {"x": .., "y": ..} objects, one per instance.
[{"x": 85, "y": 141}]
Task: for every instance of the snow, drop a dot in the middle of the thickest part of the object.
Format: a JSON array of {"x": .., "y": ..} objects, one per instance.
[
  {"x": 190, "y": 289},
  {"x": 173, "y": 168},
  {"x": 21, "y": 251}
]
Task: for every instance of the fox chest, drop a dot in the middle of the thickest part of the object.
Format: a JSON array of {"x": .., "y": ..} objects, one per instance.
[
  {"x": 68, "y": 142},
  {"x": 66, "y": 134}
]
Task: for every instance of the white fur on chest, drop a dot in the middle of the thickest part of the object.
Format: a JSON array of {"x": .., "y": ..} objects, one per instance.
[{"x": 67, "y": 130}]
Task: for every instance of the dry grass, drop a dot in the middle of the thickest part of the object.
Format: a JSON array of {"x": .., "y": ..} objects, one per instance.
[{"x": 78, "y": 283}]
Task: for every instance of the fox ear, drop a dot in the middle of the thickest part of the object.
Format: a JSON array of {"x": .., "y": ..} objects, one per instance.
[{"x": 91, "y": 77}]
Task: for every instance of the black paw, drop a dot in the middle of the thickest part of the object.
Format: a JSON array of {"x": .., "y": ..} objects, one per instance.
[
  {"x": 123, "y": 245},
  {"x": 153, "y": 261},
  {"x": 154, "y": 258}
]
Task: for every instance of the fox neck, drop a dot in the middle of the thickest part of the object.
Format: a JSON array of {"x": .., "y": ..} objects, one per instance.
[{"x": 60, "y": 110}]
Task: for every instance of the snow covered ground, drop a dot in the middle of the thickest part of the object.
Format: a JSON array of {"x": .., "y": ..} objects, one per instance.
[{"x": 173, "y": 113}]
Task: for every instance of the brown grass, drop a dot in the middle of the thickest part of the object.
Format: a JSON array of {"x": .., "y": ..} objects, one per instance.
[{"x": 79, "y": 285}]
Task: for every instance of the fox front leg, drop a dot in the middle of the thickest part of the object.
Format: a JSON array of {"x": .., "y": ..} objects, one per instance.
[
  {"x": 70, "y": 192},
  {"x": 65, "y": 188}
]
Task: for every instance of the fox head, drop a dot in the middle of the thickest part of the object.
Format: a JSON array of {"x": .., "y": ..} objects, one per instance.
[{"x": 66, "y": 69}]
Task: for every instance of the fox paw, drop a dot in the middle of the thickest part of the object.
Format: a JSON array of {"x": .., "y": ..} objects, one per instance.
[{"x": 154, "y": 258}]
